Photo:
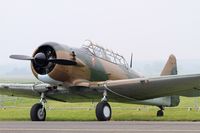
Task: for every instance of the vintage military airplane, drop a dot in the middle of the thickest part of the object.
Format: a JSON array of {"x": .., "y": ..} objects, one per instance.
[{"x": 92, "y": 73}]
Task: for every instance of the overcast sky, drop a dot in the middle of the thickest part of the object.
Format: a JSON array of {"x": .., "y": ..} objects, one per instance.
[{"x": 151, "y": 29}]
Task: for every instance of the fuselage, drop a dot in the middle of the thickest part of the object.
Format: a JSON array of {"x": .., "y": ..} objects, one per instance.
[{"x": 90, "y": 67}]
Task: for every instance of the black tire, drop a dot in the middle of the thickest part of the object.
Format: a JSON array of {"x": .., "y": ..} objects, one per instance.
[
  {"x": 38, "y": 113},
  {"x": 103, "y": 111},
  {"x": 160, "y": 113}
]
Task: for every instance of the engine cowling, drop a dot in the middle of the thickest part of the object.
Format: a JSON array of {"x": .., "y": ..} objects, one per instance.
[{"x": 48, "y": 71}]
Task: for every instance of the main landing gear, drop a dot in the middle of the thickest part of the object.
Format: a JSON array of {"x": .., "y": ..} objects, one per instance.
[
  {"x": 160, "y": 112},
  {"x": 38, "y": 111},
  {"x": 103, "y": 109}
]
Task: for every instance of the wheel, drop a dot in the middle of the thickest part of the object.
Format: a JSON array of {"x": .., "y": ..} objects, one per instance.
[
  {"x": 38, "y": 113},
  {"x": 160, "y": 113},
  {"x": 103, "y": 111}
]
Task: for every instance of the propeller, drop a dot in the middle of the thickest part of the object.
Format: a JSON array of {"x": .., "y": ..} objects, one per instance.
[
  {"x": 41, "y": 59},
  {"x": 62, "y": 62}
]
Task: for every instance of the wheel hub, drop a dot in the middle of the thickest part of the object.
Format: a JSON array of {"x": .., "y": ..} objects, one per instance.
[
  {"x": 106, "y": 111},
  {"x": 40, "y": 113}
]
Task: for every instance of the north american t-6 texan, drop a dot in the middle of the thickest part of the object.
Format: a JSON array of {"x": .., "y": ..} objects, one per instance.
[{"x": 93, "y": 73}]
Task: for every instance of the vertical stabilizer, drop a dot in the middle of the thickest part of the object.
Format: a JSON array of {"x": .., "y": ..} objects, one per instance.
[{"x": 170, "y": 67}]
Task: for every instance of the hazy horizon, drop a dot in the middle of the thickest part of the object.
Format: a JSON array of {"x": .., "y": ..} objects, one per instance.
[
  {"x": 147, "y": 68},
  {"x": 152, "y": 30}
]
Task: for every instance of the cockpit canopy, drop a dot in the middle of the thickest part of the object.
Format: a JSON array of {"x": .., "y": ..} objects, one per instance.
[{"x": 105, "y": 53}]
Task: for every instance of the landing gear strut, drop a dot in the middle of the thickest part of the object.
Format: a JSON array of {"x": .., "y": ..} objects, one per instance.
[
  {"x": 160, "y": 112},
  {"x": 103, "y": 109},
  {"x": 38, "y": 111}
]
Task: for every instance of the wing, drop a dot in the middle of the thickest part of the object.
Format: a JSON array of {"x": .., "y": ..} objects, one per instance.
[
  {"x": 25, "y": 90},
  {"x": 148, "y": 88}
]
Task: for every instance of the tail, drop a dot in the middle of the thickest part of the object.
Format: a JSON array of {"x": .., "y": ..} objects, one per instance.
[{"x": 170, "y": 67}]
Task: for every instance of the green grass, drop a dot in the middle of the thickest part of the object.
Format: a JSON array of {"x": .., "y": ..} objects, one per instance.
[{"x": 19, "y": 108}]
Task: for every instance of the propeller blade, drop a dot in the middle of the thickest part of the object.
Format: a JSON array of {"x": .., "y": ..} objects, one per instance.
[
  {"x": 62, "y": 62},
  {"x": 21, "y": 57},
  {"x": 40, "y": 59}
]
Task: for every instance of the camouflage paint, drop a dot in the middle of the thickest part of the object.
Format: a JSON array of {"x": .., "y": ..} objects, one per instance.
[
  {"x": 170, "y": 67},
  {"x": 97, "y": 71},
  {"x": 93, "y": 68}
]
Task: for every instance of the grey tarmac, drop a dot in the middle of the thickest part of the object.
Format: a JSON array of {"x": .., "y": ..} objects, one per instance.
[{"x": 97, "y": 127}]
